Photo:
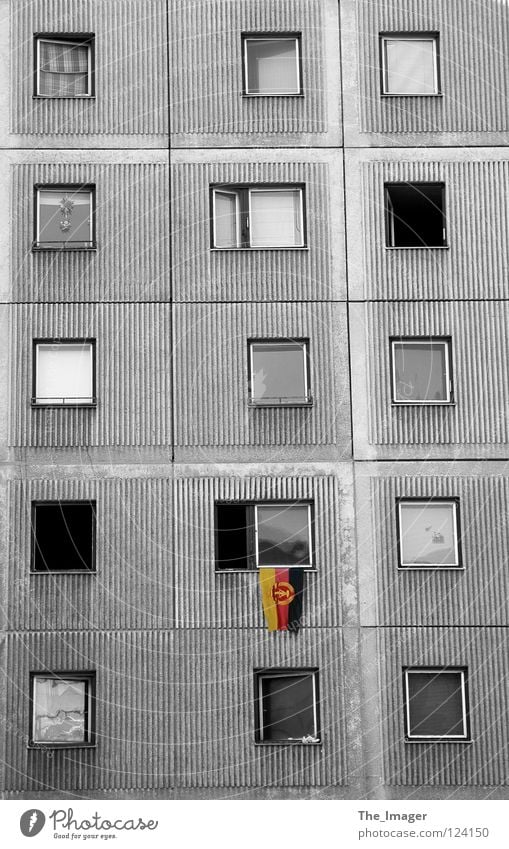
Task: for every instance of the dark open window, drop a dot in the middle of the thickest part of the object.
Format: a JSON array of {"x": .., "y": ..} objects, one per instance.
[
  {"x": 415, "y": 215},
  {"x": 63, "y": 536},
  {"x": 436, "y": 703},
  {"x": 251, "y": 536},
  {"x": 62, "y": 709},
  {"x": 286, "y": 706}
]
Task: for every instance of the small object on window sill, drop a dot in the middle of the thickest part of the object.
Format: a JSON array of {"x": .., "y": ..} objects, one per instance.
[{"x": 308, "y": 738}]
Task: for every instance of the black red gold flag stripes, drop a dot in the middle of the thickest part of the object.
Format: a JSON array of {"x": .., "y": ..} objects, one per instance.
[{"x": 282, "y": 590}]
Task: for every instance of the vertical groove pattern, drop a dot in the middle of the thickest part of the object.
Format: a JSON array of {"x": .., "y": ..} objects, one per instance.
[
  {"x": 476, "y": 203},
  {"x": 206, "y": 357},
  {"x": 206, "y": 81},
  {"x": 130, "y": 64},
  {"x": 473, "y": 36},
  {"x": 485, "y": 653},
  {"x": 133, "y": 355},
  {"x": 252, "y": 274},
  {"x": 132, "y": 586},
  {"x": 132, "y": 258},
  {"x": 478, "y": 334},
  {"x": 477, "y": 595},
  {"x": 208, "y": 599}
]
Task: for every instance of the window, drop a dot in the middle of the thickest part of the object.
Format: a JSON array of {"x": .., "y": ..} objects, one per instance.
[
  {"x": 428, "y": 533},
  {"x": 436, "y": 704},
  {"x": 62, "y": 709},
  {"x": 415, "y": 215},
  {"x": 63, "y": 536},
  {"x": 279, "y": 372},
  {"x": 410, "y": 63},
  {"x": 287, "y": 706},
  {"x": 251, "y": 536},
  {"x": 64, "y": 66},
  {"x": 261, "y": 217},
  {"x": 64, "y": 372},
  {"x": 272, "y": 64},
  {"x": 64, "y": 217},
  {"x": 421, "y": 371}
]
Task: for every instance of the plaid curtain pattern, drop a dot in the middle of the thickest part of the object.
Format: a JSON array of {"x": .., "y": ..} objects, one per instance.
[{"x": 64, "y": 69}]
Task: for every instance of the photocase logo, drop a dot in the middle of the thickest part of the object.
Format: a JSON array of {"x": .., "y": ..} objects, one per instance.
[{"x": 32, "y": 822}]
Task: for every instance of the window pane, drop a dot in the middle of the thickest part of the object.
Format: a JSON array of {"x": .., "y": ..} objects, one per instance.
[
  {"x": 278, "y": 371},
  {"x": 420, "y": 370},
  {"x": 272, "y": 66},
  {"x": 63, "y": 69},
  {"x": 410, "y": 66},
  {"x": 59, "y": 711},
  {"x": 415, "y": 215},
  {"x": 63, "y": 536},
  {"x": 225, "y": 219},
  {"x": 435, "y": 704},
  {"x": 64, "y": 216},
  {"x": 64, "y": 373},
  {"x": 276, "y": 218},
  {"x": 428, "y": 534},
  {"x": 283, "y": 535},
  {"x": 287, "y": 707}
]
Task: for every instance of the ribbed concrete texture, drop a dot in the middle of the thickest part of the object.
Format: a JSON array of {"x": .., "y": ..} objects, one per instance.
[
  {"x": 131, "y": 262},
  {"x": 133, "y": 351},
  {"x": 202, "y": 274},
  {"x": 130, "y": 67},
  {"x": 206, "y": 356},
  {"x": 474, "y": 68},
  {"x": 133, "y": 585},
  {"x": 475, "y": 262},
  {"x": 206, "y": 61},
  {"x": 478, "y": 593},
  {"x": 205, "y": 598},
  {"x": 483, "y": 760}
]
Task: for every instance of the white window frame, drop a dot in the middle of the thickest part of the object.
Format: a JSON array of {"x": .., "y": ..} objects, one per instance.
[
  {"x": 385, "y": 65},
  {"x": 230, "y": 193},
  {"x": 287, "y": 189},
  {"x": 64, "y": 245},
  {"x": 275, "y": 37},
  {"x": 67, "y": 43},
  {"x": 455, "y": 517},
  {"x": 89, "y": 401},
  {"x": 282, "y": 505},
  {"x": 290, "y": 673},
  {"x": 434, "y": 671},
  {"x": 446, "y": 343},
  {"x": 260, "y": 402}
]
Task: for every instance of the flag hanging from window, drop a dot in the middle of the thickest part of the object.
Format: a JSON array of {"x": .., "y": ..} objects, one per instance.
[{"x": 282, "y": 591}]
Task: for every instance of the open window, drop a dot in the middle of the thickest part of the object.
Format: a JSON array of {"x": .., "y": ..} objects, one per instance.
[
  {"x": 63, "y": 536},
  {"x": 272, "y": 64},
  {"x": 64, "y": 373},
  {"x": 62, "y": 709},
  {"x": 252, "y": 536},
  {"x": 64, "y": 217},
  {"x": 421, "y": 370},
  {"x": 258, "y": 216},
  {"x": 279, "y": 373},
  {"x": 286, "y": 706},
  {"x": 436, "y": 704},
  {"x": 64, "y": 65},
  {"x": 415, "y": 215},
  {"x": 410, "y": 63},
  {"x": 428, "y": 533}
]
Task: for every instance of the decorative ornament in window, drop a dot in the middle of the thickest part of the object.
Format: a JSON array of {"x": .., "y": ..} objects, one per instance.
[{"x": 66, "y": 208}]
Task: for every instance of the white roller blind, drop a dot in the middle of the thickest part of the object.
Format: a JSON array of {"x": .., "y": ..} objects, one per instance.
[
  {"x": 272, "y": 66},
  {"x": 64, "y": 373},
  {"x": 410, "y": 66},
  {"x": 276, "y": 218}
]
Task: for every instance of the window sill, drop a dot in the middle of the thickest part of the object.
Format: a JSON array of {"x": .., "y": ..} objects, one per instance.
[
  {"x": 258, "y": 569},
  {"x": 247, "y": 249},
  {"x": 40, "y": 405},
  {"x": 63, "y": 97},
  {"x": 435, "y": 740},
  {"x": 43, "y": 746},
  {"x": 288, "y": 743},
  {"x": 281, "y": 404},
  {"x": 247, "y": 94},
  {"x": 37, "y": 248},
  {"x": 423, "y": 403},
  {"x": 431, "y": 567},
  {"x": 64, "y": 572},
  {"x": 395, "y": 94},
  {"x": 417, "y": 247}
]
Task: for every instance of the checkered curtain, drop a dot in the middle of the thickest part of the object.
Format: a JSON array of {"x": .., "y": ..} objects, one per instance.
[{"x": 64, "y": 69}]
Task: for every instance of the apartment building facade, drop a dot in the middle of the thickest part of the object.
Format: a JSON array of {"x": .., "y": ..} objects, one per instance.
[{"x": 253, "y": 303}]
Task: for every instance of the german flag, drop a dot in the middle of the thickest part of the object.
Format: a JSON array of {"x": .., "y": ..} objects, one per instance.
[{"x": 282, "y": 597}]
